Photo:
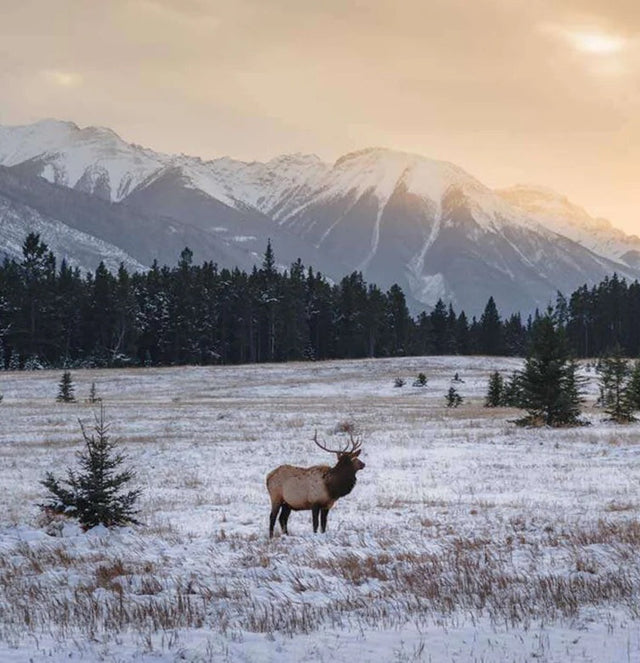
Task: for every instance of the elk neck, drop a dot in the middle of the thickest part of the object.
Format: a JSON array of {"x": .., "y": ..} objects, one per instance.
[{"x": 341, "y": 478}]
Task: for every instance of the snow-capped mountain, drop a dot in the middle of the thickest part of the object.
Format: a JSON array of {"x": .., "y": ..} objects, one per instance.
[
  {"x": 77, "y": 248},
  {"x": 556, "y": 212},
  {"x": 94, "y": 160},
  {"x": 399, "y": 218}
]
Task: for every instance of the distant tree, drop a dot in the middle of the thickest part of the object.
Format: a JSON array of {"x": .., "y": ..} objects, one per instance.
[
  {"x": 615, "y": 394},
  {"x": 463, "y": 340},
  {"x": 453, "y": 398},
  {"x": 93, "y": 394},
  {"x": 96, "y": 494},
  {"x": 512, "y": 390},
  {"x": 491, "y": 342},
  {"x": 66, "y": 389},
  {"x": 439, "y": 328},
  {"x": 398, "y": 382},
  {"x": 515, "y": 336},
  {"x": 495, "y": 392},
  {"x": 549, "y": 383},
  {"x": 14, "y": 361},
  {"x": 634, "y": 386}
]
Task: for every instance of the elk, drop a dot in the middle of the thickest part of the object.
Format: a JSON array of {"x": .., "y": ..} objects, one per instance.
[{"x": 316, "y": 488}]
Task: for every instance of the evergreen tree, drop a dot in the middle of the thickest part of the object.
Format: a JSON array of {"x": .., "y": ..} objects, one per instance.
[
  {"x": 14, "y": 361},
  {"x": 615, "y": 394},
  {"x": 550, "y": 390},
  {"x": 515, "y": 336},
  {"x": 95, "y": 495},
  {"x": 66, "y": 389},
  {"x": 439, "y": 328},
  {"x": 93, "y": 394},
  {"x": 420, "y": 381},
  {"x": 491, "y": 330},
  {"x": 399, "y": 321},
  {"x": 495, "y": 392},
  {"x": 463, "y": 341},
  {"x": 453, "y": 397},
  {"x": 634, "y": 386},
  {"x": 37, "y": 271},
  {"x": 512, "y": 391}
]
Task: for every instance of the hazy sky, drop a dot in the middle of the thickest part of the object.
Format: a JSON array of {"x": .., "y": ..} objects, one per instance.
[{"x": 514, "y": 91}]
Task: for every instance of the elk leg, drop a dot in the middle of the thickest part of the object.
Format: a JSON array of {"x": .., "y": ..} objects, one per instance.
[
  {"x": 323, "y": 520},
  {"x": 272, "y": 518},
  {"x": 284, "y": 517},
  {"x": 315, "y": 512}
]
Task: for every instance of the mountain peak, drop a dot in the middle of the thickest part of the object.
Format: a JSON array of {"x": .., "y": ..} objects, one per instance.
[
  {"x": 54, "y": 123},
  {"x": 555, "y": 209},
  {"x": 373, "y": 153}
]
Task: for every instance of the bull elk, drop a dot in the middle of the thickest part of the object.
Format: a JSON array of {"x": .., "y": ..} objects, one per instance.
[{"x": 316, "y": 488}]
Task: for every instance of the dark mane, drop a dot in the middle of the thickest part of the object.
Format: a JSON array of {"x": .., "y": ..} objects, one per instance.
[{"x": 341, "y": 478}]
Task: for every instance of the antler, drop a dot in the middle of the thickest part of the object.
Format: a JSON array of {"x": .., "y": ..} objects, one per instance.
[
  {"x": 351, "y": 447},
  {"x": 355, "y": 444}
]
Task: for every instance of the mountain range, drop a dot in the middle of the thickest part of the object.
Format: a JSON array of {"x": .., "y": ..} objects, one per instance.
[{"x": 399, "y": 218}]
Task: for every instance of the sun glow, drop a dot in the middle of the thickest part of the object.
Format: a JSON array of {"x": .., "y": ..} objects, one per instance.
[
  {"x": 597, "y": 43},
  {"x": 68, "y": 79}
]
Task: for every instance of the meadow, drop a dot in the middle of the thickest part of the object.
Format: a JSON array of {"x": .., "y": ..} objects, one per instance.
[{"x": 466, "y": 538}]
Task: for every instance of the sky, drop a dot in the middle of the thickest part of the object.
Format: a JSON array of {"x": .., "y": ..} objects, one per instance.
[{"x": 543, "y": 92}]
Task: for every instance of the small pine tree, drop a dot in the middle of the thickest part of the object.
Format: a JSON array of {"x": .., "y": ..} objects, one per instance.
[
  {"x": 453, "y": 398},
  {"x": 93, "y": 394},
  {"x": 615, "y": 394},
  {"x": 14, "y": 361},
  {"x": 33, "y": 363},
  {"x": 398, "y": 382},
  {"x": 420, "y": 381},
  {"x": 66, "y": 389},
  {"x": 495, "y": 392},
  {"x": 94, "y": 494}
]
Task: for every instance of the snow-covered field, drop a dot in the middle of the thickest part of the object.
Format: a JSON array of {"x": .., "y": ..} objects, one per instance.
[{"x": 465, "y": 539}]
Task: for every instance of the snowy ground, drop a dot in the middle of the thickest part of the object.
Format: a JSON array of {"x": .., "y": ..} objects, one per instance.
[{"x": 465, "y": 539}]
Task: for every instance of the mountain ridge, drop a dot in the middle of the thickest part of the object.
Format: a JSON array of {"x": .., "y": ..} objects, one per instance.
[{"x": 398, "y": 217}]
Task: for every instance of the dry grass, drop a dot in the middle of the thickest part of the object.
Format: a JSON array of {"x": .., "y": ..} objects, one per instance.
[{"x": 458, "y": 516}]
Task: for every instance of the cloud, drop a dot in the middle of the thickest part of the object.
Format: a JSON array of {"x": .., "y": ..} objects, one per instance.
[{"x": 66, "y": 79}]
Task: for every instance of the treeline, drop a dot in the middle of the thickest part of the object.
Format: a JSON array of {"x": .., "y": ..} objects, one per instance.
[
  {"x": 602, "y": 317},
  {"x": 54, "y": 315}
]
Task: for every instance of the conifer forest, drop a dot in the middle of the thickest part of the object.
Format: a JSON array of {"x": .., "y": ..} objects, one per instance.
[{"x": 54, "y": 315}]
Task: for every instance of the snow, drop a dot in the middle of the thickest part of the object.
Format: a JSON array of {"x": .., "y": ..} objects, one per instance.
[
  {"x": 427, "y": 288},
  {"x": 556, "y": 213},
  {"x": 68, "y": 152},
  {"x": 466, "y": 538},
  {"x": 16, "y": 221}
]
